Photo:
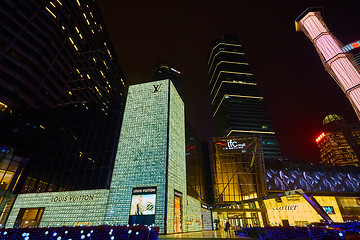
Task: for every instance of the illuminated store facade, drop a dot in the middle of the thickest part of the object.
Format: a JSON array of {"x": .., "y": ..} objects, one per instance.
[
  {"x": 52, "y": 209},
  {"x": 149, "y": 178},
  {"x": 333, "y": 189},
  {"x": 238, "y": 176},
  {"x": 341, "y": 66},
  {"x": 287, "y": 193}
]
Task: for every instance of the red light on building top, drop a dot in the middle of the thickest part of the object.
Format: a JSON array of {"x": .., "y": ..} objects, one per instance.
[
  {"x": 355, "y": 45},
  {"x": 318, "y": 139}
]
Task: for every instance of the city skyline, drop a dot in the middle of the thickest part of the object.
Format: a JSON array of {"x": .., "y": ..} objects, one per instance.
[{"x": 283, "y": 61}]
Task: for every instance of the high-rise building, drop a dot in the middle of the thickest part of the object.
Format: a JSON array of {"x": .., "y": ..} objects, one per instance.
[
  {"x": 339, "y": 65},
  {"x": 148, "y": 184},
  {"x": 166, "y": 71},
  {"x": 339, "y": 143},
  {"x": 61, "y": 93},
  {"x": 238, "y": 105},
  {"x": 150, "y": 168}
]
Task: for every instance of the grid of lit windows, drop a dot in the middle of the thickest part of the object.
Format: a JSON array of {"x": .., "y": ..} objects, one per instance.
[
  {"x": 176, "y": 158},
  {"x": 65, "y": 89}
]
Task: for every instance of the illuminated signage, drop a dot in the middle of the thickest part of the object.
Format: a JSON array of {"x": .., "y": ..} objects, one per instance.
[
  {"x": 72, "y": 198},
  {"x": 205, "y": 206},
  {"x": 178, "y": 194},
  {"x": 318, "y": 139},
  {"x": 157, "y": 88},
  {"x": 286, "y": 208},
  {"x": 174, "y": 70},
  {"x": 143, "y": 201},
  {"x": 231, "y": 144},
  {"x": 351, "y": 46},
  {"x": 329, "y": 209}
]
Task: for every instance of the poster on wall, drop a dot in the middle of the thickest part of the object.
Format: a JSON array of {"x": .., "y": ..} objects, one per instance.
[
  {"x": 329, "y": 209},
  {"x": 143, "y": 202}
]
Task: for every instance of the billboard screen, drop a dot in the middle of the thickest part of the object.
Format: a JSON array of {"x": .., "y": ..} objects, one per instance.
[{"x": 143, "y": 201}]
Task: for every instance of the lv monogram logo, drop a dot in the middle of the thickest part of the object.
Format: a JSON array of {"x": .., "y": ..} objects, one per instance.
[{"x": 157, "y": 88}]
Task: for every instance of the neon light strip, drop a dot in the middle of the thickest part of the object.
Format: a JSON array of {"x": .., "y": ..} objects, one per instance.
[
  {"x": 212, "y": 62},
  {"x": 228, "y": 44},
  {"x": 240, "y": 63},
  {"x": 244, "y": 83},
  {"x": 239, "y": 73},
  {"x": 247, "y": 131},
  {"x": 336, "y": 62},
  {"x": 351, "y": 46},
  {"x": 239, "y": 96}
]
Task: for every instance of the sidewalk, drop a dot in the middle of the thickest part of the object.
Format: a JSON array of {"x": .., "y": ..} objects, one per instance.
[{"x": 201, "y": 235}]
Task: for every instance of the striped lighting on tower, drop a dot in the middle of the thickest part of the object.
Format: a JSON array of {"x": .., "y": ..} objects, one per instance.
[{"x": 339, "y": 65}]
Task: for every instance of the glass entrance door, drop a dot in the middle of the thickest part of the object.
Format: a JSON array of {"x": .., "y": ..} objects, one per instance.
[{"x": 178, "y": 215}]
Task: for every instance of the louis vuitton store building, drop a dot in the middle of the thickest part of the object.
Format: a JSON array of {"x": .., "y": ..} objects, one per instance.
[{"x": 148, "y": 184}]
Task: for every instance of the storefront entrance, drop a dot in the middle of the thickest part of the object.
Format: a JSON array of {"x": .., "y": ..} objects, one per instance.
[
  {"x": 29, "y": 217},
  {"x": 178, "y": 212},
  {"x": 243, "y": 220}
]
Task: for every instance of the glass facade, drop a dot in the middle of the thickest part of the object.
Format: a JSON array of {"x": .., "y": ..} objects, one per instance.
[
  {"x": 12, "y": 164},
  {"x": 64, "y": 87},
  {"x": 339, "y": 144},
  {"x": 151, "y": 152},
  {"x": 237, "y": 168},
  {"x": 239, "y": 107}
]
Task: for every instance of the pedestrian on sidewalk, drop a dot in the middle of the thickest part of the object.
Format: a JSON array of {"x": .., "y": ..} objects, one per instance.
[{"x": 227, "y": 228}]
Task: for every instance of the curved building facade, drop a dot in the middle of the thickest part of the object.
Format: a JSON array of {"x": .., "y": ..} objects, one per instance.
[
  {"x": 55, "y": 53},
  {"x": 62, "y": 88}
]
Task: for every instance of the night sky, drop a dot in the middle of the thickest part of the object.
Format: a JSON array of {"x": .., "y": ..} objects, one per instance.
[{"x": 297, "y": 90}]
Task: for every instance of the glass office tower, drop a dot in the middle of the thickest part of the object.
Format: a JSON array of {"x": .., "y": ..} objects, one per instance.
[
  {"x": 237, "y": 103},
  {"x": 61, "y": 93}
]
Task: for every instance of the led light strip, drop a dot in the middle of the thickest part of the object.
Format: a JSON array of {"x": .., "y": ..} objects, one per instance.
[{"x": 334, "y": 59}]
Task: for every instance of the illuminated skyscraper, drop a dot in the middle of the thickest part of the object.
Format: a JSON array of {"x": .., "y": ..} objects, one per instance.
[
  {"x": 339, "y": 143},
  {"x": 150, "y": 166},
  {"x": 61, "y": 93},
  {"x": 340, "y": 66},
  {"x": 238, "y": 106}
]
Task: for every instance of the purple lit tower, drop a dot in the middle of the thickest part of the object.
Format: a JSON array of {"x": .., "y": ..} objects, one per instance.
[{"x": 341, "y": 66}]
